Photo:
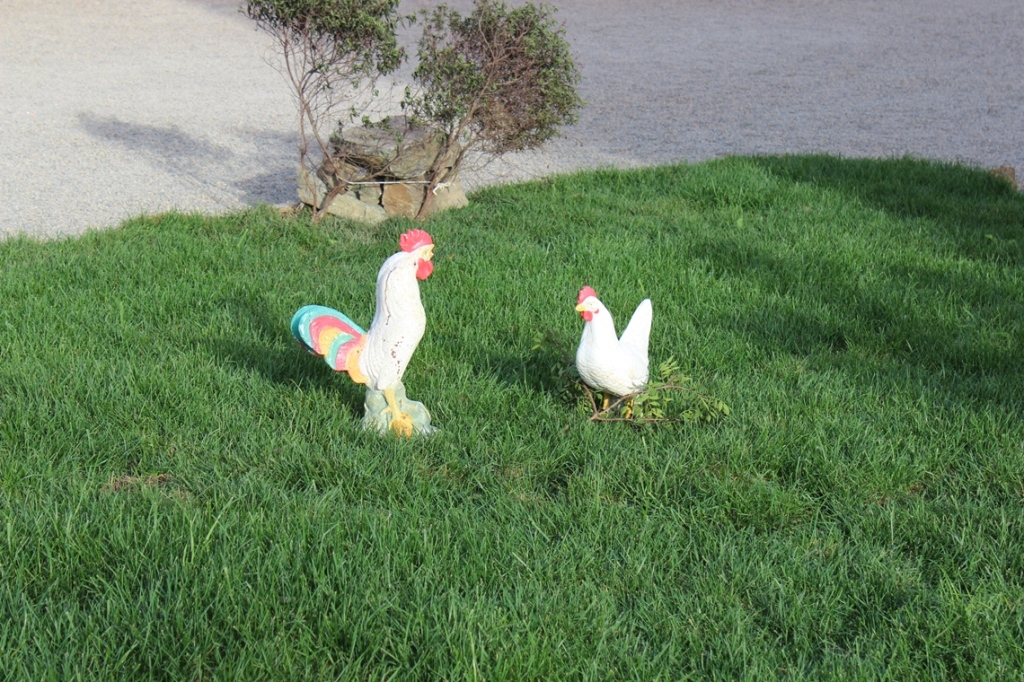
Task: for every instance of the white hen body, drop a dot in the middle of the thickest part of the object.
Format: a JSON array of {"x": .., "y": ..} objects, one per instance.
[{"x": 608, "y": 363}]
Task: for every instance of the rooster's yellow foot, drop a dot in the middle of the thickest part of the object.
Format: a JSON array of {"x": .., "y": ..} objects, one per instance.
[
  {"x": 402, "y": 425},
  {"x": 401, "y": 422}
]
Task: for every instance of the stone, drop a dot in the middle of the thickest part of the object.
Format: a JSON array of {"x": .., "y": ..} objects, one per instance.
[
  {"x": 398, "y": 150},
  {"x": 402, "y": 199},
  {"x": 449, "y": 195},
  {"x": 343, "y": 206},
  {"x": 393, "y": 161},
  {"x": 346, "y": 171},
  {"x": 1007, "y": 173},
  {"x": 369, "y": 194}
]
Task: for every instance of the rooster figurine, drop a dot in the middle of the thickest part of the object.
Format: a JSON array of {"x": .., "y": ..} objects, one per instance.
[
  {"x": 379, "y": 357},
  {"x": 615, "y": 366}
]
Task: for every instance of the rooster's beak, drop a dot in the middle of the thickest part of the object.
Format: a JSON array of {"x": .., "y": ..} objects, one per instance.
[
  {"x": 580, "y": 308},
  {"x": 425, "y": 266}
]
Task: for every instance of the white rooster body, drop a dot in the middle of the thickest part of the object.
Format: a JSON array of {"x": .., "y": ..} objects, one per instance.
[
  {"x": 616, "y": 365},
  {"x": 398, "y": 323}
]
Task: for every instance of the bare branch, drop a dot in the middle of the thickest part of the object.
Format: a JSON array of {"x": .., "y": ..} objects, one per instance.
[{"x": 325, "y": 45}]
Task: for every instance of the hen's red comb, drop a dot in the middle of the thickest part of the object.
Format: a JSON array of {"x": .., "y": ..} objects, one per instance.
[
  {"x": 414, "y": 239},
  {"x": 585, "y": 292}
]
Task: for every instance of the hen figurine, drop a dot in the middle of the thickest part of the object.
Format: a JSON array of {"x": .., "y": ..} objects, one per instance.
[
  {"x": 379, "y": 357},
  {"x": 617, "y": 366}
]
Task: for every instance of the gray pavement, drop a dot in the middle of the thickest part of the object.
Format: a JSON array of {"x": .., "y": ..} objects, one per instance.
[{"x": 111, "y": 108}]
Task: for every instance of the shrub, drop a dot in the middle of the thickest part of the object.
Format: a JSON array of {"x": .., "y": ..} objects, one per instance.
[
  {"x": 329, "y": 51},
  {"x": 496, "y": 81}
]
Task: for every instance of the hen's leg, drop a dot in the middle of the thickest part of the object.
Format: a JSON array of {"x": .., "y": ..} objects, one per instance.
[{"x": 401, "y": 423}]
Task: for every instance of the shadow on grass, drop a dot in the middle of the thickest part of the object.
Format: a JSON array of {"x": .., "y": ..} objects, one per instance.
[
  {"x": 878, "y": 328},
  {"x": 272, "y": 352},
  {"x": 956, "y": 328},
  {"x": 982, "y": 215}
]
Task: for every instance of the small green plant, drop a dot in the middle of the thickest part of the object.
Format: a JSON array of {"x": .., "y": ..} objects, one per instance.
[
  {"x": 496, "y": 81},
  {"x": 668, "y": 398}
]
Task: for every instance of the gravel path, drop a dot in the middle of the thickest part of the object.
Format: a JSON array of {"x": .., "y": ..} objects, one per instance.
[{"x": 110, "y": 108}]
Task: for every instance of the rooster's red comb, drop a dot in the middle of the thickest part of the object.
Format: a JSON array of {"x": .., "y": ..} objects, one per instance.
[
  {"x": 414, "y": 239},
  {"x": 585, "y": 292}
]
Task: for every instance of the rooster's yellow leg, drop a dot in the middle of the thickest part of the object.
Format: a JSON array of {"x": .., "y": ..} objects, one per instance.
[
  {"x": 607, "y": 399},
  {"x": 401, "y": 423}
]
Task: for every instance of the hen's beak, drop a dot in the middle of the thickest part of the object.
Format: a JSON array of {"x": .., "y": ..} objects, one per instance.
[{"x": 585, "y": 313}]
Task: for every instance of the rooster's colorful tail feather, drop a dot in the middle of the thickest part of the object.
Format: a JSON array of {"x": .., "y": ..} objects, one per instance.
[{"x": 329, "y": 333}]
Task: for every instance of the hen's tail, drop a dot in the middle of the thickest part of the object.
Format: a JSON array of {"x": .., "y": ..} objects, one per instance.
[
  {"x": 637, "y": 334},
  {"x": 326, "y": 332}
]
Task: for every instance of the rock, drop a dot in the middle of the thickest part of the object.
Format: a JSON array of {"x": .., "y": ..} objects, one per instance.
[
  {"x": 398, "y": 150},
  {"x": 393, "y": 161},
  {"x": 343, "y": 206},
  {"x": 347, "y": 171},
  {"x": 449, "y": 195},
  {"x": 402, "y": 199},
  {"x": 1007, "y": 173},
  {"x": 369, "y": 194}
]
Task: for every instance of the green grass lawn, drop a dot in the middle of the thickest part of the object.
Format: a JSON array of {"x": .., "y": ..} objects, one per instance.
[{"x": 186, "y": 495}]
